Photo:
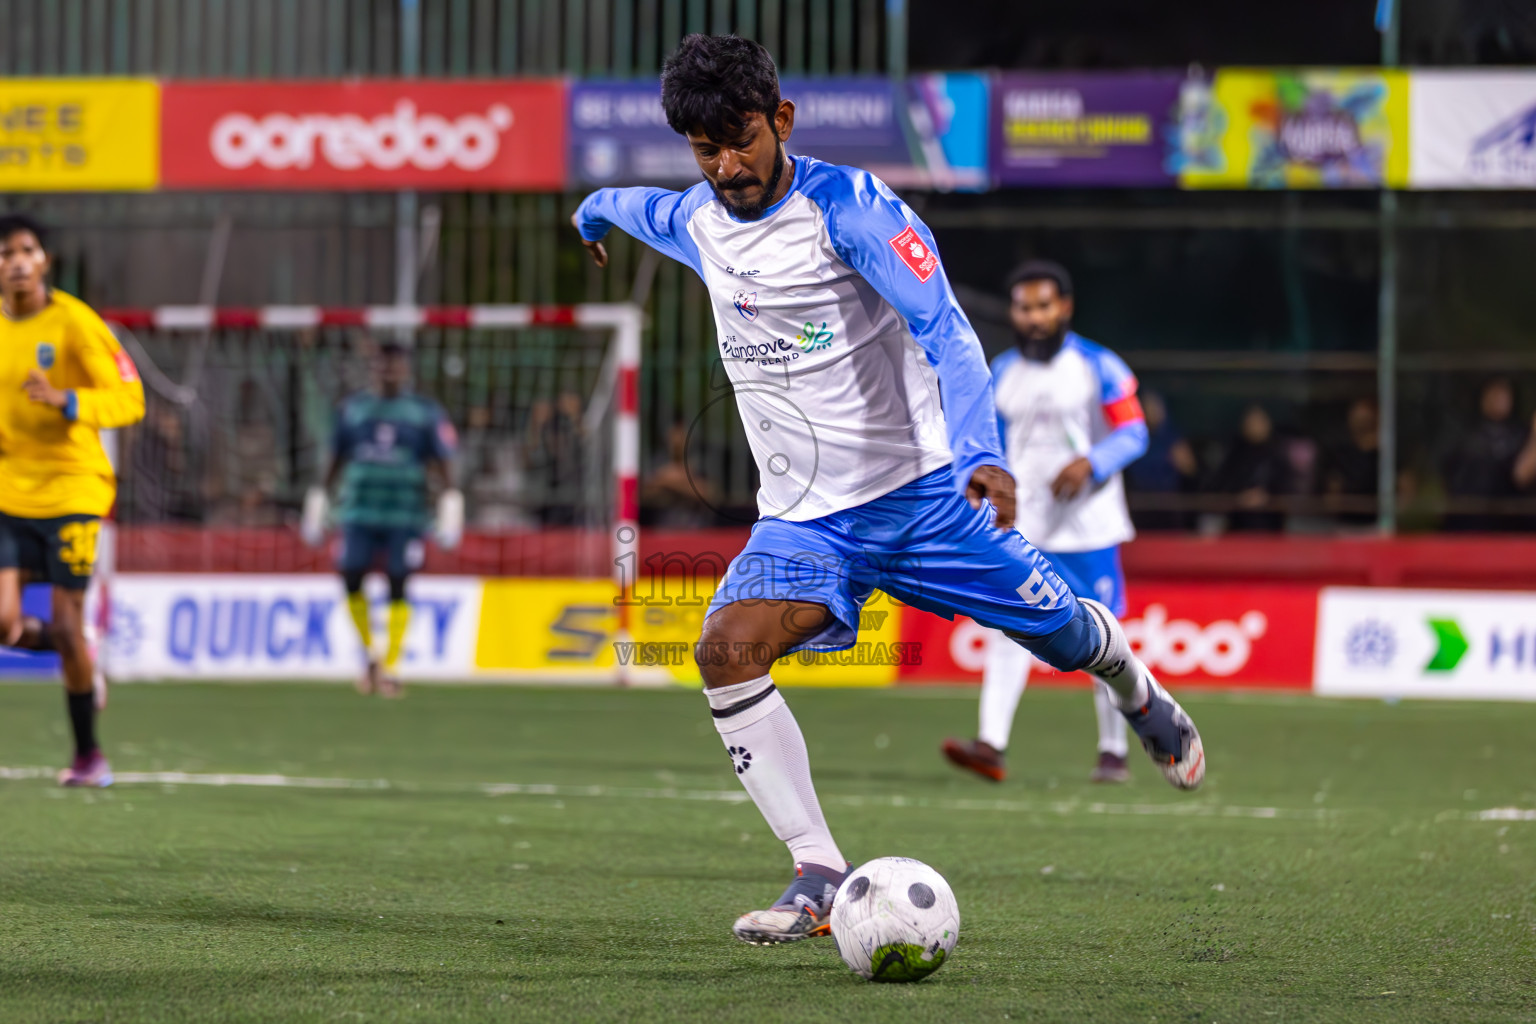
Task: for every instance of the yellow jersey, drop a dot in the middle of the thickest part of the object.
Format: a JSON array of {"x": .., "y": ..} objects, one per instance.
[{"x": 51, "y": 460}]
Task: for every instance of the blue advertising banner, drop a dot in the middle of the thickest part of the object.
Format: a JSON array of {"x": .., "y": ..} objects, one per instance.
[{"x": 927, "y": 132}]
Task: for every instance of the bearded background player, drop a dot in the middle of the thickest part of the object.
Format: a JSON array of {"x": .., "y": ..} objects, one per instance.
[
  {"x": 1070, "y": 419},
  {"x": 63, "y": 379},
  {"x": 840, "y": 369}
]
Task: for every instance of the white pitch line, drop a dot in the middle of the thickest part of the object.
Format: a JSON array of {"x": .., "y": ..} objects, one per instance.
[
  {"x": 1504, "y": 814},
  {"x": 1062, "y": 808}
]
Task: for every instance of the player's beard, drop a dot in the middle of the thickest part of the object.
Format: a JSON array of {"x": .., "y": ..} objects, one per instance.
[
  {"x": 755, "y": 209},
  {"x": 1040, "y": 348}
]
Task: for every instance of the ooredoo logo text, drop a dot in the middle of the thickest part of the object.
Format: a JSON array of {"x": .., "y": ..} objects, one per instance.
[{"x": 403, "y": 137}]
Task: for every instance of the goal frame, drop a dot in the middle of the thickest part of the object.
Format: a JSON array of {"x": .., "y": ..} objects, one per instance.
[{"x": 624, "y": 321}]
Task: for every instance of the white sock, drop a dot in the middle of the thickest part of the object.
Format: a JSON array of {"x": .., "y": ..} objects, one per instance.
[
  {"x": 1114, "y": 663},
  {"x": 1003, "y": 678},
  {"x": 770, "y": 759},
  {"x": 1111, "y": 721}
]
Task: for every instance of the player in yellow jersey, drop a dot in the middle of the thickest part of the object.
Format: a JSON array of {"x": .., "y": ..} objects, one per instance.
[{"x": 63, "y": 378}]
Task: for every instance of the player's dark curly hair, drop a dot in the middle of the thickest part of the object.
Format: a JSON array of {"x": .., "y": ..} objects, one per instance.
[
  {"x": 11, "y": 223},
  {"x": 1042, "y": 270},
  {"x": 714, "y": 84}
]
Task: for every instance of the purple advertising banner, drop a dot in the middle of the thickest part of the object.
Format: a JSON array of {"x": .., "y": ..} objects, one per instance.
[{"x": 1108, "y": 129}]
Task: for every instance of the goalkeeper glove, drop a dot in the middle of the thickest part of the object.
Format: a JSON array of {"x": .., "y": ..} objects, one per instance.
[
  {"x": 312, "y": 527},
  {"x": 450, "y": 518}
]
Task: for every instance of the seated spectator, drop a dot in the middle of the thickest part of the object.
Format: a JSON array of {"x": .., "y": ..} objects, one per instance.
[
  {"x": 1353, "y": 466},
  {"x": 677, "y": 494},
  {"x": 557, "y": 443},
  {"x": 1482, "y": 462},
  {"x": 1167, "y": 469},
  {"x": 1256, "y": 470}
]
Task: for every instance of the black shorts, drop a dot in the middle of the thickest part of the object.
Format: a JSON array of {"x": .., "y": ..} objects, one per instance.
[
  {"x": 363, "y": 547},
  {"x": 60, "y": 549}
]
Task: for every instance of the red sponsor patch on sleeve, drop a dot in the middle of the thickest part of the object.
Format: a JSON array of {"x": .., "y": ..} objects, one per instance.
[
  {"x": 914, "y": 252},
  {"x": 125, "y": 368}
]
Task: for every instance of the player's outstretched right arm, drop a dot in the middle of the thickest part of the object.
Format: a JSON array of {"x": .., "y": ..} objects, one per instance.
[{"x": 656, "y": 216}]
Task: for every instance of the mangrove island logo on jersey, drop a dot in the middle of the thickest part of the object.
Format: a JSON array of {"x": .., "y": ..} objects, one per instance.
[{"x": 811, "y": 338}]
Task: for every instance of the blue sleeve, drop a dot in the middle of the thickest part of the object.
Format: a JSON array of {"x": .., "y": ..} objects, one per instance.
[
  {"x": 999, "y": 365},
  {"x": 867, "y": 223},
  {"x": 1127, "y": 442},
  {"x": 656, "y": 216},
  {"x": 1119, "y": 448}
]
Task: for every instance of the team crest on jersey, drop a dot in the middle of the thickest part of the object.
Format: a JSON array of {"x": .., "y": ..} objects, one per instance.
[
  {"x": 45, "y": 355},
  {"x": 811, "y": 338},
  {"x": 746, "y": 304},
  {"x": 919, "y": 259}
]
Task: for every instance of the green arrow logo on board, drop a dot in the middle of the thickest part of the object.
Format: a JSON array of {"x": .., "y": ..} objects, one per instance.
[{"x": 1453, "y": 645}]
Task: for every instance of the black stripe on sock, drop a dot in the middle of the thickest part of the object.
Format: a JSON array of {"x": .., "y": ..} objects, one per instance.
[
  {"x": 742, "y": 705},
  {"x": 1099, "y": 620}
]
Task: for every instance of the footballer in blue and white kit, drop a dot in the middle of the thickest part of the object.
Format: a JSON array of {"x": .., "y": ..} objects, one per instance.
[
  {"x": 1071, "y": 422},
  {"x": 868, "y": 405}
]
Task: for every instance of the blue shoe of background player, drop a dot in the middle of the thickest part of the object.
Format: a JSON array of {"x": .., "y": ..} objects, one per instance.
[
  {"x": 803, "y": 912},
  {"x": 1169, "y": 737}
]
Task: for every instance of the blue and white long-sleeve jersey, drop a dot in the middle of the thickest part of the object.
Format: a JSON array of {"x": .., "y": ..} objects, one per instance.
[
  {"x": 854, "y": 368},
  {"x": 1080, "y": 404}
]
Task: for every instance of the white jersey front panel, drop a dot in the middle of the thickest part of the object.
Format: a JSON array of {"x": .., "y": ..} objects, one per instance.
[
  {"x": 1052, "y": 414},
  {"x": 855, "y": 369},
  {"x": 839, "y": 404}
]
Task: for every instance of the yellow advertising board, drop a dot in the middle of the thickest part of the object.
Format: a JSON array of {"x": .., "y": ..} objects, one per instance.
[
  {"x": 72, "y": 134},
  {"x": 1302, "y": 129},
  {"x": 560, "y": 628}
]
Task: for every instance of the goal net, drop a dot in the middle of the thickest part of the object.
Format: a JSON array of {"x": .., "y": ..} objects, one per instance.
[{"x": 240, "y": 411}]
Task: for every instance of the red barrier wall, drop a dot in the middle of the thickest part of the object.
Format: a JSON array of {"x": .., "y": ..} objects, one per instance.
[{"x": 1432, "y": 561}]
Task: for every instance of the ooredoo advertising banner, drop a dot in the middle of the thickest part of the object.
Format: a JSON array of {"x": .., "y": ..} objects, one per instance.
[
  {"x": 1314, "y": 128},
  {"x": 1374, "y": 642},
  {"x": 928, "y": 132},
  {"x": 1258, "y": 636},
  {"x": 62, "y": 134},
  {"x": 1473, "y": 129},
  {"x": 364, "y": 135},
  {"x": 1085, "y": 130}
]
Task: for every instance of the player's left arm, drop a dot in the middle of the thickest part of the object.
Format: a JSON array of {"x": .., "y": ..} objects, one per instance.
[
  {"x": 878, "y": 235},
  {"x": 113, "y": 395},
  {"x": 1127, "y": 438}
]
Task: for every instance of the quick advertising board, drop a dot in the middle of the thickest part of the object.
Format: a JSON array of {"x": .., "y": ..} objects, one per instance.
[
  {"x": 1374, "y": 642},
  {"x": 256, "y": 626}
]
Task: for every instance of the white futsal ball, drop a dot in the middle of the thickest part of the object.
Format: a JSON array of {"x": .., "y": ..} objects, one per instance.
[{"x": 895, "y": 919}]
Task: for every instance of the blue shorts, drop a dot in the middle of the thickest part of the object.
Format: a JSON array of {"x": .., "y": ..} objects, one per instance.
[
  {"x": 1095, "y": 574},
  {"x": 363, "y": 547},
  {"x": 923, "y": 544}
]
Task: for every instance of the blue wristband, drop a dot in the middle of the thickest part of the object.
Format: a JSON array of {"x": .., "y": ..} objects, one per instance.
[{"x": 71, "y": 408}]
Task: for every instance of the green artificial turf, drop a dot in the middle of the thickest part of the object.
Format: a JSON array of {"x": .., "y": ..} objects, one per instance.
[{"x": 1333, "y": 867}]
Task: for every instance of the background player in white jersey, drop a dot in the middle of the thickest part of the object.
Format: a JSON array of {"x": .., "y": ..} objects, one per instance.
[
  {"x": 841, "y": 337},
  {"x": 1070, "y": 420}
]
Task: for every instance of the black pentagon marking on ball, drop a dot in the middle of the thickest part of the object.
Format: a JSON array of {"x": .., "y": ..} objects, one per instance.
[
  {"x": 857, "y": 889},
  {"x": 921, "y": 895}
]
